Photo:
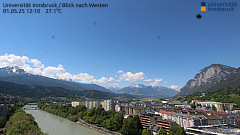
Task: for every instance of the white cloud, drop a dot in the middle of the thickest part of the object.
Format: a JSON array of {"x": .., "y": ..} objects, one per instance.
[
  {"x": 148, "y": 80},
  {"x": 104, "y": 80},
  {"x": 155, "y": 83},
  {"x": 165, "y": 81},
  {"x": 35, "y": 71},
  {"x": 174, "y": 87},
  {"x": 22, "y": 62},
  {"x": 132, "y": 77},
  {"x": 84, "y": 77},
  {"x": 120, "y": 71},
  {"x": 114, "y": 84},
  {"x": 52, "y": 71},
  {"x": 13, "y": 60},
  {"x": 36, "y": 67},
  {"x": 65, "y": 75},
  {"x": 37, "y": 63}
]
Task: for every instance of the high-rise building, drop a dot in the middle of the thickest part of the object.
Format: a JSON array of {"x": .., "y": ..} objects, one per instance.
[
  {"x": 92, "y": 104},
  {"x": 109, "y": 104}
]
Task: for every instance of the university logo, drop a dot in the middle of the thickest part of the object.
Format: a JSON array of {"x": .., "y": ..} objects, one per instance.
[
  {"x": 218, "y": 6},
  {"x": 203, "y": 6}
]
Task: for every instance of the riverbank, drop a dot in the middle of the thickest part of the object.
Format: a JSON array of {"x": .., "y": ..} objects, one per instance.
[
  {"x": 56, "y": 125},
  {"x": 96, "y": 128},
  {"x": 109, "y": 122}
]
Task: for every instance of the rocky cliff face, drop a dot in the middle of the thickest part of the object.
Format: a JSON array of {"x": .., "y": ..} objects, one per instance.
[
  {"x": 208, "y": 76},
  {"x": 211, "y": 74}
]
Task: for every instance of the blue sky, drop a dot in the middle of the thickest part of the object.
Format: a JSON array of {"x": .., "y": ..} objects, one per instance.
[{"x": 158, "y": 42}]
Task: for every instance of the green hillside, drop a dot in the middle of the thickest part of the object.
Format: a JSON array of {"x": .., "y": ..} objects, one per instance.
[
  {"x": 43, "y": 91},
  {"x": 227, "y": 95}
]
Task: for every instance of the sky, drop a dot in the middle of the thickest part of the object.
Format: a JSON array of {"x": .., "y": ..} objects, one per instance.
[{"x": 151, "y": 42}]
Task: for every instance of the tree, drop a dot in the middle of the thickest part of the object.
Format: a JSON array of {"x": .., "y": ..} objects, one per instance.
[
  {"x": 137, "y": 125},
  {"x": 162, "y": 132},
  {"x": 147, "y": 132},
  {"x": 91, "y": 112},
  {"x": 2, "y": 122},
  {"x": 131, "y": 126},
  {"x": 99, "y": 110},
  {"x": 127, "y": 126},
  {"x": 193, "y": 106},
  {"x": 22, "y": 123},
  {"x": 81, "y": 115},
  {"x": 176, "y": 130},
  {"x": 23, "y": 127},
  {"x": 114, "y": 123},
  {"x": 118, "y": 121},
  {"x": 110, "y": 124}
]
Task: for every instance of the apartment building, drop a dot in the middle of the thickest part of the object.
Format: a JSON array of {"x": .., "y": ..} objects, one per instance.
[
  {"x": 119, "y": 108},
  {"x": 138, "y": 110},
  {"x": 163, "y": 113},
  {"x": 229, "y": 106},
  {"x": 76, "y": 103},
  {"x": 108, "y": 104},
  {"x": 92, "y": 104},
  {"x": 217, "y": 105}
]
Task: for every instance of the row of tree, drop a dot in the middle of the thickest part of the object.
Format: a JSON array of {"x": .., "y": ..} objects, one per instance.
[{"x": 109, "y": 119}]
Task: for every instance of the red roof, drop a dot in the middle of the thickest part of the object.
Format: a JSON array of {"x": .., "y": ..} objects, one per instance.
[{"x": 164, "y": 112}]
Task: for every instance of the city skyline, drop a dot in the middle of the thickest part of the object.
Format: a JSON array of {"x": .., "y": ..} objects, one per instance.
[{"x": 151, "y": 43}]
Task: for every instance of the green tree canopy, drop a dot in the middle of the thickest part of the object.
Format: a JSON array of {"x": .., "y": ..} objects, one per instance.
[
  {"x": 147, "y": 131},
  {"x": 162, "y": 132},
  {"x": 22, "y": 123},
  {"x": 2, "y": 122},
  {"x": 193, "y": 106},
  {"x": 176, "y": 130},
  {"x": 132, "y": 126}
]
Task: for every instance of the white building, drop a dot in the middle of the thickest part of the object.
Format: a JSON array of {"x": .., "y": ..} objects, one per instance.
[
  {"x": 76, "y": 103},
  {"x": 217, "y": 105},
  {"x": 109, "y": 105},
  {"x": 92, "y": 104}
]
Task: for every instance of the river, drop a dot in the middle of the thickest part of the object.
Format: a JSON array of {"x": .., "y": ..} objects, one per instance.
[{"x": 55, "y": 125}]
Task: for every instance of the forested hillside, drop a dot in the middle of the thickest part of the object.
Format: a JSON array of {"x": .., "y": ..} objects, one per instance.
[{"x": 227, "y": 95}]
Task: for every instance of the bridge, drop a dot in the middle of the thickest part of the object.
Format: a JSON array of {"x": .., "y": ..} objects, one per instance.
[{"x": 30, "y": 106}]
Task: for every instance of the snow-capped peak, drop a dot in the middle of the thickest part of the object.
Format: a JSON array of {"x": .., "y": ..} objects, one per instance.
[{"x": 137, "y": 85}]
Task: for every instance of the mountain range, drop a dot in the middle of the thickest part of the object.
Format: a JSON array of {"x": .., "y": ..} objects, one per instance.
[
  {"x": 209, "y": 79},
  {"x": 43, "y": 91},
  {"x": 19, "y": 76},
  {"x": 212, "y": 78},
  {"x": 145, "y": 90}
]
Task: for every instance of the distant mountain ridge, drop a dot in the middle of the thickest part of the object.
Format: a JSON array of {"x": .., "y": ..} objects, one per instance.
[
  {"x": 212, "y": 78},
  {"x": 19, "y": 76},
  {"x": 43, "y": 91},
  {"x": 146, "y": 90}
]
